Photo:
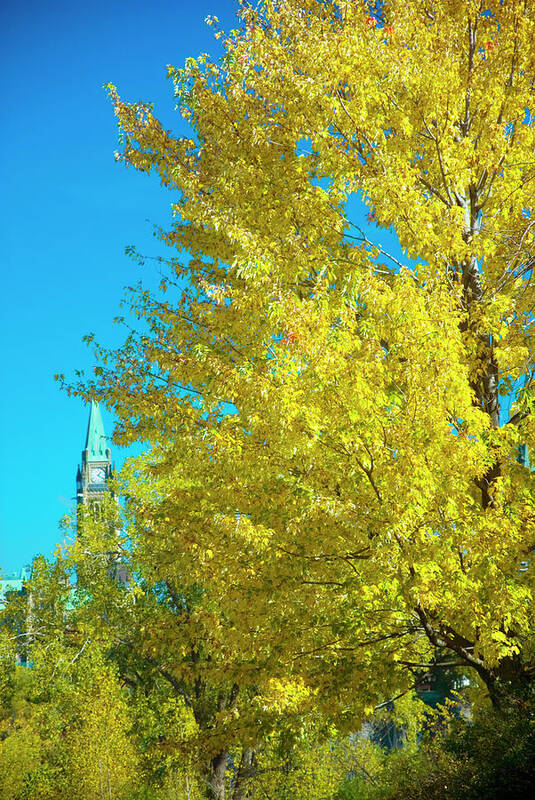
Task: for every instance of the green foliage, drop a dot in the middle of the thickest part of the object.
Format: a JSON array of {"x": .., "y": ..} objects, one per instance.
[
  {"x": 78, "y": 724},
  {"x": 65, "y": 726},
  {"x": 490, "y": 757}
]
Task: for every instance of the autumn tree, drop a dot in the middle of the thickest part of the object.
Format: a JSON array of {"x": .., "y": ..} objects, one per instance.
[
  {"x": 325, "y": 450},
  {"x": 65, "y": 729},
  {"x": 137, "y": 689},
  {"x": 81, "y": 719}
]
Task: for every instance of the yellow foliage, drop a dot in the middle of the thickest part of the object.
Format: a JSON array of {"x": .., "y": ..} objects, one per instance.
[{"x": 325, "y": 451}]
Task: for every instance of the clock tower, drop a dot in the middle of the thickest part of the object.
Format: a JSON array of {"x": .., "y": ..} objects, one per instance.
[
  {"x": 92, "y": 487},
  {"x": 96, "y": 468}
]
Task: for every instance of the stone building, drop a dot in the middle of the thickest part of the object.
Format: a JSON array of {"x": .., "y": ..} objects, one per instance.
[{"x": 96, "y": 469}]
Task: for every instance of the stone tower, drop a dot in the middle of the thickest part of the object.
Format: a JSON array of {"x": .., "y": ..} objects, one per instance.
[
  {"x": 92, "y": 485},
  {"x": 96, "y": 468}
]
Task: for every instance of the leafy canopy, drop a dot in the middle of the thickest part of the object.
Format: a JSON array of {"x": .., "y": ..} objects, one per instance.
[{"x": 325, "y": 451}]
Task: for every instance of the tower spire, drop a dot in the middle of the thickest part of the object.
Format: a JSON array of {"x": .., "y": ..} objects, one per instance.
[
  {"x": 95, "y": 440},
  {"x": 96, "y": 467},
  {"x": 92, "y": 487}
]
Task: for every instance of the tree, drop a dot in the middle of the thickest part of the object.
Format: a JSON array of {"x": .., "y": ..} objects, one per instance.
[
  {"x": 491, "y": 757},
  {"x": 134, "y": 687},
  {"x": 66, "y": 730},
  {"x": 163, "y": 636},
  {"x": 325, "y": 451}
]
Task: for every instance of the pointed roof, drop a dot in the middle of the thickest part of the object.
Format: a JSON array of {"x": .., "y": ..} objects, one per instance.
[{"x": 95, "y": 441}]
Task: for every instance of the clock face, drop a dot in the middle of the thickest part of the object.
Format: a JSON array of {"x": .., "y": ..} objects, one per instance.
[{"x": 98, "y": 475}]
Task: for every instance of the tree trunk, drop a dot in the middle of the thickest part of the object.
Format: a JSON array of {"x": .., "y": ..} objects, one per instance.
[
  {"x": 215, "y": 779},
  {"x": 246, "y": 771},
  {"x": 485, "y": 386}
]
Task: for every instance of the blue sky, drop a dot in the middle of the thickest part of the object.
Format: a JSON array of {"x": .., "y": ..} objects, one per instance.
[{"x": 67, "y": 213}]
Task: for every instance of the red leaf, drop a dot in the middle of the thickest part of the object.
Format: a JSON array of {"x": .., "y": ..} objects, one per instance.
[{"x": 290, "y": 337}]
